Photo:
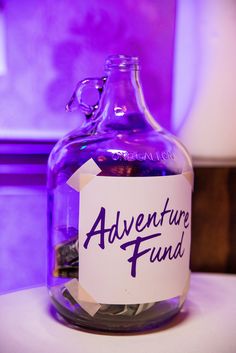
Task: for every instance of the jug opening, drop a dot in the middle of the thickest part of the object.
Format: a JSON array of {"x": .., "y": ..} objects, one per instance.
[{"x": 122, "y": 62}]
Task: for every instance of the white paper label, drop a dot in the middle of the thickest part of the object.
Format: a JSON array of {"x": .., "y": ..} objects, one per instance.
[{"x": 134, "y": 238}]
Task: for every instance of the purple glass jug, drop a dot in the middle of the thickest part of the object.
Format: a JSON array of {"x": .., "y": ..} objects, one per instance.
[{"x": 119, "y": 211}]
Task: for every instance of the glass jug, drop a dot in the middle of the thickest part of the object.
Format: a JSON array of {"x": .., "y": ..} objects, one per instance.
[{"x": 119, "y": 211}]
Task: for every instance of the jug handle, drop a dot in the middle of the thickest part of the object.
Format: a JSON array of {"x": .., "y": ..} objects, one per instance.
[{"x": 76, "y": 101}]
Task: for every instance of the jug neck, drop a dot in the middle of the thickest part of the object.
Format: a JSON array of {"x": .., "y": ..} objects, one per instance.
[{"x": 122, "y": 105}]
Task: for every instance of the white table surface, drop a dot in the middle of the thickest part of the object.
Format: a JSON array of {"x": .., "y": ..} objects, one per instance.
[{"x": 207, "y": 324}]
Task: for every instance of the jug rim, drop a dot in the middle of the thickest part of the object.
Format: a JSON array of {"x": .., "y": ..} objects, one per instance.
[{"x": 123, "y": 62}]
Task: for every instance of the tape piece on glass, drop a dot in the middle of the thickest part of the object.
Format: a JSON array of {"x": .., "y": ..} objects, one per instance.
[
  {"x": 78, "y": 181},
  {"x": 83, "y": 175},
  {"x": 186, "y": 288},
  {"x": 82, "y": 297},
  {"x": 189, "y": 177}
]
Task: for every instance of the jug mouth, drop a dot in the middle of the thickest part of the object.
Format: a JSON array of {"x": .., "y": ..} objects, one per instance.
[{"x": 122, "y": 62}]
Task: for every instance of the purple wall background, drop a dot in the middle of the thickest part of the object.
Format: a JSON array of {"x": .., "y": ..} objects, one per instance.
[{"x": 50, "y": 45}]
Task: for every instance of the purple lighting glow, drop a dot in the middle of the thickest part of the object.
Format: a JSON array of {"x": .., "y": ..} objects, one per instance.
[
  {"x": 47, "y": 46},
  {"x": 51, "y": 45}
]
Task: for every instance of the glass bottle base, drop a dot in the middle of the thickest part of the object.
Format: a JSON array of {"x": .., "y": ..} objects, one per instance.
[{"x": 116, "y": 318}]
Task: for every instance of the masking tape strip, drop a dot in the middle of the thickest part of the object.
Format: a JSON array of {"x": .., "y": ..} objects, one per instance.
[
  {"x": 189, "y": 177},
  {"x": 186, "y": 288},
  {"x": 83, "y": 298},
  {"x": 83, "y": 175}
]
